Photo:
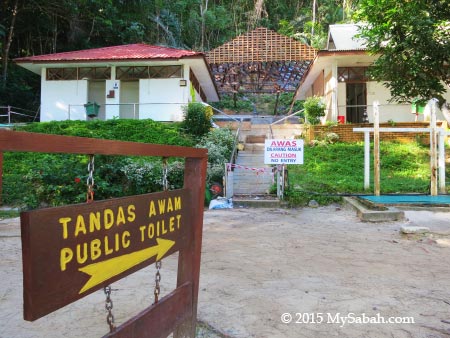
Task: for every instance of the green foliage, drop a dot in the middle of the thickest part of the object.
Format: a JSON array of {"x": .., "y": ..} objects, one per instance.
[
  {"x": 147, "y": 131},
  {"x": 48, "y": 179},
  {"x": 314, "y": 109},
  {"x": 147, "y": 176},
  {"x": 197, "y": 119},
  {"x": 238, "y": 105},
  {"x": 219, "y": 143},
  {"x": 413, "y": 40},
  {"x": 33, "y": 180},
  {"x": 330, "y": 170}
]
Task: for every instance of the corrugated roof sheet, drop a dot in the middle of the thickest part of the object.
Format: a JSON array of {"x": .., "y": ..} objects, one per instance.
[
  {"x": 124, "y": 52},
  {"x": 343, "y": 37}
]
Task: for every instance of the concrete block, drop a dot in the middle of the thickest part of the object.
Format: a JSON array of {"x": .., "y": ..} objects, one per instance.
[{"x": 412, "y": 229}]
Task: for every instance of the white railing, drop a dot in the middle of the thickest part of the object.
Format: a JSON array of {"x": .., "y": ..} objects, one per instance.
[
  {"x": 10, "y": 114},
  {"x": 131, "y": 110}
]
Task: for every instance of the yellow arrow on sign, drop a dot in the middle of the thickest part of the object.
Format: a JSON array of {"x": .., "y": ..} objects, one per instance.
[{"x": 102, "y": 271}]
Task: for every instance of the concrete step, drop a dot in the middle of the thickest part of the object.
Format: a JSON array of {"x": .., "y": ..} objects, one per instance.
[
  {"x": 252, "y": 147},
  {"x": 256, "y": 202},
  {"x": 247, "y": 181}
]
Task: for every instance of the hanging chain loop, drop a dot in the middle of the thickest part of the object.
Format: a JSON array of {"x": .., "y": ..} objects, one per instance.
[
  {"x": 109, "y": 307},
  {"x": 165, "y": 173},
  {"x": 157, "y": 280},
  {"x": 90, "y": 180},
  {"x": 165, "y": 185},
  {"x": 90, "y": 198}
]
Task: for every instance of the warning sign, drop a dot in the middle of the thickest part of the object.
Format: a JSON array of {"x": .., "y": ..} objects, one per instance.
[{"x": 283, "y": 152}]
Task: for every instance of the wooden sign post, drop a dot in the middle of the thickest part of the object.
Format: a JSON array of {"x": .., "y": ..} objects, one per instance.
[{"x": 72, "y": 251}]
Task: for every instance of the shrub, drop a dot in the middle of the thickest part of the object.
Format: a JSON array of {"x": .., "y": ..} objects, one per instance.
[
  {"x": 219, "y": 143},
  {"x": 146, "y": 177},
  {"x": 314, "y": 109},
  {"x": 197, "y": 119}
]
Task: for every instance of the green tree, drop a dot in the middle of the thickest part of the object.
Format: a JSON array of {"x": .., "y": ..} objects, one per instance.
[{"x": 412, "y": 39}]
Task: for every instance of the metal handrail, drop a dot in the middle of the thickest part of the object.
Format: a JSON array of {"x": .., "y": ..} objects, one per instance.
[
  {"x": 284, "y": 118},
  {"x": 10, "y": 113}
]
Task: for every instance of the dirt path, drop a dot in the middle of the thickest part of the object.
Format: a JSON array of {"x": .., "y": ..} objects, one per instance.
[{"x": 317, "y": 265}]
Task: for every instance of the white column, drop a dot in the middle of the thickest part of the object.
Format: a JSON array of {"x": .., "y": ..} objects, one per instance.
[
  {"x": 334, "y": 84},
  {"x": 376, "y": 148},
  {"x": 112, "y": 108},
  {"x": 441, "y": 147},
  {"x": 433, "y": 153}
]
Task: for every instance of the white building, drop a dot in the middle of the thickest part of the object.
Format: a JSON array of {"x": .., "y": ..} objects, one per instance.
[
  {"x": 137, "y": 81},
  {"x": 339, "y": 74}
]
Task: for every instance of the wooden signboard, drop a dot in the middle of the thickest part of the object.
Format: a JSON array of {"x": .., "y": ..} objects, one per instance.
[{"x": 71, "y": 251}]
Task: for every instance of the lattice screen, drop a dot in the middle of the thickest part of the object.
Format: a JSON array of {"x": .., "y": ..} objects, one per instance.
[{"x": 261, "y": 61}]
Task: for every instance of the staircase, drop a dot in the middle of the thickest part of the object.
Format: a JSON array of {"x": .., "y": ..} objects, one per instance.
[{"x": 251, "y": 176}]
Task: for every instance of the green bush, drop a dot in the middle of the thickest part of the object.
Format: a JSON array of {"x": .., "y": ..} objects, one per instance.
[
  {"x": 197, "y": 119},
  {"x": 147, "y": 131},
  {"x": 146, "y": 177},
  {"x": 219, "y": 143},
  {"x": 238, "y": 105},
  {"x": 33, "y": 180},
  {"x": 314, "y": 109}
]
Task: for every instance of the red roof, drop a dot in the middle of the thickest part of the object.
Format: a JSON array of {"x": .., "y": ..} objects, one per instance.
[{"x": 137, "y": 51}]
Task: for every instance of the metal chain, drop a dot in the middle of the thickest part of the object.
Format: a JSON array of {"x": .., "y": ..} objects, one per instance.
[
  {"x": 90, "y": 180},
  {"x": 109, "y": 307},
  {"x": 165, "y": 173},
  {"x": 157, "y": 280},
  {"x": 90, "y": 198},
  {"x": 165, "y": 184}
]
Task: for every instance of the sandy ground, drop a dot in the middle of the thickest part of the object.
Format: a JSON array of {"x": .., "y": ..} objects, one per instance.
[{"x": 312, "y": 267}]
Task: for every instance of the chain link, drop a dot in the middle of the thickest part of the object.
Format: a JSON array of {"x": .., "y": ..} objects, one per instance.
[
  {"x": 90, "y": 180},
  {"x": 165, "y": 173},
  {"x": 157, "y": 280},
  {"x": 109, "y": 307}
]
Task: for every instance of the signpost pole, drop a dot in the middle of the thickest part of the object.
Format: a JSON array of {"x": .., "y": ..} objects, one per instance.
[{"x": 189, "y": 258}]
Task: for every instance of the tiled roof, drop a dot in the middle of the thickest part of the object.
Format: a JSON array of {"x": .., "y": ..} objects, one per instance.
[{"x": 138, "y": 51}]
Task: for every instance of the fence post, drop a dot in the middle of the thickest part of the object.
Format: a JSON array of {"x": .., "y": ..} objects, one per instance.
[
  {"x": 441, "y": 165},
  {"x": 366, "y": 160},
  {"x": 189, "y": 258},
  {"x": 9, "y": 114},
  {"x": 433, "y": 154},
  {"x": 376, "y": 148},
  {"x": 1, "y": 177}
]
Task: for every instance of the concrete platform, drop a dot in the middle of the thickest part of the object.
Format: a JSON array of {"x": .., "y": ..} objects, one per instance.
[
  {"x": 256, "y": 202},
  {"x": 381, "y": 214}
]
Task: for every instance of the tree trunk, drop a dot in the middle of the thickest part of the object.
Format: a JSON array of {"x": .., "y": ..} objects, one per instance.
[{"x": 5, "y": 56}]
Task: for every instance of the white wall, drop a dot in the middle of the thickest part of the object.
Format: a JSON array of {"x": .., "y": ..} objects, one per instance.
[
  {"x": 129, "y": 93},
  {"x": 388, "y": 110},
  {"x": 96, "y": 93},
  {"x": 166, "y": 96},
  {"x": 57, "y": 95},
  {"x": 112, "y": 110}
]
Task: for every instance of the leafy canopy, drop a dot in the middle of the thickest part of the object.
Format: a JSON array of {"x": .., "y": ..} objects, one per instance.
[{"x": 413, "y": 40}]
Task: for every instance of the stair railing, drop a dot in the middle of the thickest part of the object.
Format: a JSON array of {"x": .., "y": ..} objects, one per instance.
[
  {"x": 228, "y": 177},
  {"x": 284, "y": 118}
]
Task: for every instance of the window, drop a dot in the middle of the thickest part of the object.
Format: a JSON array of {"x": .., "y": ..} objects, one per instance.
[
  {"x": 353, "y": 74},
  {"x": 75, "y": 73},
  {"x": 150, "y": 72}
]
